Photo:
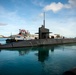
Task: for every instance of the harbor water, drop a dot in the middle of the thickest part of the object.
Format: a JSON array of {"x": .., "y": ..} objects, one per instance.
[{"x": 46, "y": 60}]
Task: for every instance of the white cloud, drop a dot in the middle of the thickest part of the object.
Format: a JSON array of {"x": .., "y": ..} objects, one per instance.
[
  {"x": 58, "y": 6},
  {"x": 13, "y": 21},
  {"x": 64, "y": 26},
  {"x": 72, "y": 3},
  {"x": 41, "y": 15},
  {"x": 12, "y": 17},
  {"x": 54, "y": 7},
  {"x": 38, "y": 3},
  {"x": 2, "y": 24}
]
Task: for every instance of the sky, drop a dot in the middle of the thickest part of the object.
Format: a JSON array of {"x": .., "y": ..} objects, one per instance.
[{"x": 60, "y": 16}]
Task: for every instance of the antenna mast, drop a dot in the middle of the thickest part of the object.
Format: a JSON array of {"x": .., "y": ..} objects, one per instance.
[{"x": 44, "y": 19}]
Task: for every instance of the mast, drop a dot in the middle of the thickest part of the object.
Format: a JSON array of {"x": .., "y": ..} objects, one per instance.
[{"x": 44, "y": 19}]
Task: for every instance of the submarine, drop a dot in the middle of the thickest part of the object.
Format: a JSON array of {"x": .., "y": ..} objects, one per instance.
[{"x": 43, "y": 40}]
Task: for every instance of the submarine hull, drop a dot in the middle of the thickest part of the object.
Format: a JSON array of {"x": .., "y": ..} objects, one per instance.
[
  {"x": 37, "y": 42},
  {"x": 12, "y": 40}
]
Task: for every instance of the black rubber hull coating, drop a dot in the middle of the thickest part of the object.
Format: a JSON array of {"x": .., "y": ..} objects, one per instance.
[
  {"x": 37, "y": 42},
  {"x": 12, "y": 40}
]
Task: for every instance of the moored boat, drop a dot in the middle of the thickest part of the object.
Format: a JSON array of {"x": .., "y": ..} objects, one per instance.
[{"x": 22, "y": 35}]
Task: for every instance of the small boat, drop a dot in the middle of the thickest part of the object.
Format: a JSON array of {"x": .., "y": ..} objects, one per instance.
[{"x": 23, "y": 35}]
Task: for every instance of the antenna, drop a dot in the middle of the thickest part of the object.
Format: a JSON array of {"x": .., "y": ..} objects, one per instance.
[{"x": 44, "y": 19}]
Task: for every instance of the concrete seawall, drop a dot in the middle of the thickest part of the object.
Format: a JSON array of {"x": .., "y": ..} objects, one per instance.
[{"x": 38, "y": 42}]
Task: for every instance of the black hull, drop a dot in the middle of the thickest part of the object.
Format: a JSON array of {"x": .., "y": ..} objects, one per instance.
[
  {"x": 12, "y": 40},
  {"x": 37, "y": 42}
]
